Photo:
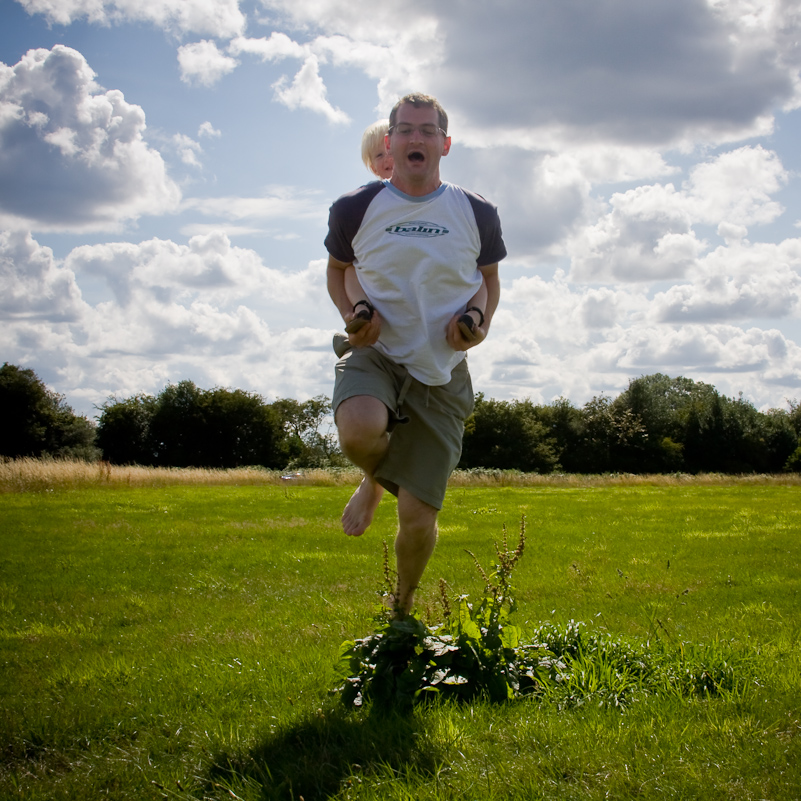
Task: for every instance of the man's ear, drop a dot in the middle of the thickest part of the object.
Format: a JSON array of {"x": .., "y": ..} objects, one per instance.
[{"x": 446, "y": 146}]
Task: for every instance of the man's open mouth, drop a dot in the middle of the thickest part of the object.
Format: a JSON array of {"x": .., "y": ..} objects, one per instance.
[{"x": 416, "y": 155}]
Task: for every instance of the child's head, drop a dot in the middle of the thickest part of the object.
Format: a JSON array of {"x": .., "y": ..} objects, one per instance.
[{"x": 374, "y": 153}]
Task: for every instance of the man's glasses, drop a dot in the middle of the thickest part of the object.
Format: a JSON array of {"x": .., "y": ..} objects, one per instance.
[{"x": 428, "y": 130}]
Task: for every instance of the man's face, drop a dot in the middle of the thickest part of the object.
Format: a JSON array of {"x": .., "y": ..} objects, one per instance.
[{"x": 416, "y": 155}]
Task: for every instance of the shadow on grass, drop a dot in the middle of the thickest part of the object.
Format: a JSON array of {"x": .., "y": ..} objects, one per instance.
[{"x": 316, "y": 757}]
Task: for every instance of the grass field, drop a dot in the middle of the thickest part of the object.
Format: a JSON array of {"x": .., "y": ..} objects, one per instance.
[{"x": 161, "y": 639}]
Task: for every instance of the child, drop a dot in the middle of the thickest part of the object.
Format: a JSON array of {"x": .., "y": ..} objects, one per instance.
[
  {"x": 374, "y": 151},
  {"x": 379, "y": 162}
]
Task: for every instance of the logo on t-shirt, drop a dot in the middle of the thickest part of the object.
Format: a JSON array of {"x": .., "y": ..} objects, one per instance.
[{"x": 418, "y": 228}]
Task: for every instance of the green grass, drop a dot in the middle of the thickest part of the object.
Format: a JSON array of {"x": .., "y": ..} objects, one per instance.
[{"x": 180, "y": 642}]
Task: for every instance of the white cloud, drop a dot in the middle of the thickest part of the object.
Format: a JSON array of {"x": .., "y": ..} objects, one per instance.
[
  {"x": 709, "y": 347},
  {"x": 363, "y": 21},
  {"x": 646, "y": 237},
  {"x": 33, "y": 286},
  {"x": 278, "y": 202},
  {"x": 394, "y": 51},
  {"x": 209, "y": 268},
  {"x": 653, "y": 73},
  {"x": 739, "y": 282},
  {"x": 566, "y": 316},
  {"x": 206, "y": 310},
  {"x": 649, "y": 233},
  {"x": 207, "y": 129},
  {"x": 600, "y": 163},
  {"x": 214, "y": 17},
  {"x": 73, "y": 157},
  {"x": 203, "y": 63},
  {"x": 188, "y": 149},
  {"x": 736, "y": 187},
  {"x": 308, "y": 91},
  {"x": 275, "y": 48}
]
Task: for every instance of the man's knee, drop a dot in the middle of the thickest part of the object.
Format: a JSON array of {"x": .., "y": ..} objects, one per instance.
[
  {"x": 415, "y": 516},
  {"x": 360, "y": 421}
]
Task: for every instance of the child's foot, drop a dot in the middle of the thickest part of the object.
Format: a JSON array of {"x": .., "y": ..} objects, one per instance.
[
  {"x": 362, "y": 317},
  {"x": 341, "y": 344}
]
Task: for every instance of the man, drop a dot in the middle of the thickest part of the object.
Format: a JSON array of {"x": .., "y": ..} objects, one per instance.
[{"x": 426, "y": 254}]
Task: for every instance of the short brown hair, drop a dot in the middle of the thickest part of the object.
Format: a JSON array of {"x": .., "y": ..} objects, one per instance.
[{"x": 419, "y": 100}]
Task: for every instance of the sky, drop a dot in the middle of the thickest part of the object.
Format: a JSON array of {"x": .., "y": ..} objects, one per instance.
[{"x": 166, "y": 169}]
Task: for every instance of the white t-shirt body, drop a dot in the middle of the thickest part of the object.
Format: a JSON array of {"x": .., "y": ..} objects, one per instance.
[{"x": 417, "y": 260}]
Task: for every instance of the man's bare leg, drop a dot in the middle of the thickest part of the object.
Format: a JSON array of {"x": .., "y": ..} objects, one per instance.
[
  {"x": 417, "y": 536},
  {"x": 362, "y": 425}
]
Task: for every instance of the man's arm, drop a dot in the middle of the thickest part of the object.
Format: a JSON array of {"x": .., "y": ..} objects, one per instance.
[
  {"x": 335, "y": 278},
  {"x": 493, "y": 283},
  {"x": 485, "y": 299}
]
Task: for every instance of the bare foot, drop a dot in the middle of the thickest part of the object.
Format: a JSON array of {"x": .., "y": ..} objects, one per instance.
[{"x": 360, "y": 508}]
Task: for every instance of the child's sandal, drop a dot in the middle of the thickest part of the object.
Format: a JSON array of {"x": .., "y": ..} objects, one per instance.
[
  {"x": 467, "y": 325},
  {"x": 362, "y": 317}
]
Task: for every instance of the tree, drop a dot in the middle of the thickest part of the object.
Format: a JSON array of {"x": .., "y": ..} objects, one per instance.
[
  {"x": 759, "y": 441},
  {"x": 507, "y": 435},
  {"x": 302, "y": 423},
  {"x": 665, "y": 407},
  {"x": 240, "y": 429},
  {"x": 39, "y": 422},
  {"x": 177, "y": 426},
  {"x": 185, "y": 426},
  {"x": 794, "y": 416},
  {"x": 564, "y": 424},
  {"x": 613, "y": 437},
  {"x": 123, "y": 430}
]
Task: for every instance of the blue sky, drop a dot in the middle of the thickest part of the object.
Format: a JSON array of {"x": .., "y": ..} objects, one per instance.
[{"x": 166, "y": 170}]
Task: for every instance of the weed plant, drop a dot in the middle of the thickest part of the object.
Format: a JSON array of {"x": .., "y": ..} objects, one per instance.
[
  {"x": 477, "y": 652},
  {"x": 180, "y": 641}
]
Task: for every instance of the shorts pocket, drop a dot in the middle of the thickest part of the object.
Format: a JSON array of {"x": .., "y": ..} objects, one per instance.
[{"x": 455, "y": 397}]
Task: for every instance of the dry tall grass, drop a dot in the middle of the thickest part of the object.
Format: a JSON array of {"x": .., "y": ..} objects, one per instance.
[
  {"x": 514, "y": 478},
  {"x": 38, "y": 475}
]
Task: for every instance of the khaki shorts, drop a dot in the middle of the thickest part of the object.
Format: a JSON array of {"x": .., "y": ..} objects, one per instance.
[{"x": 426, "y": 424}]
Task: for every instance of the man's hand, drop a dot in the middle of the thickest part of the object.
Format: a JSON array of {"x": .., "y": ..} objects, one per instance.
[
  {"x": 457, "y": 340},
  {"x": 367, "y": 334}
]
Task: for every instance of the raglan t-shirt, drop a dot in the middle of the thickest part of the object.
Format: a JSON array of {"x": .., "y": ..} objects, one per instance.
[{"x": 417, "y": 260}]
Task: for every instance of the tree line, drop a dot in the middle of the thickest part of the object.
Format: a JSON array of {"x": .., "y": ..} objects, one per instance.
[
  {"x": 657, "y": 425},
  {"x": 182, "y": 426}
]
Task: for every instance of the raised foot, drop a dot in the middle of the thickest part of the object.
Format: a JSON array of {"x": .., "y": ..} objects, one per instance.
[{"x": 361, "y": 507}]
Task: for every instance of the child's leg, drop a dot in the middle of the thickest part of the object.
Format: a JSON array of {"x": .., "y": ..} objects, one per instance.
[{"x": 356, "y": 296}]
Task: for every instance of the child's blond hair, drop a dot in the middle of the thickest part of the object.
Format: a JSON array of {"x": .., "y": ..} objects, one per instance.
[{"x": 372, "y": 140}]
